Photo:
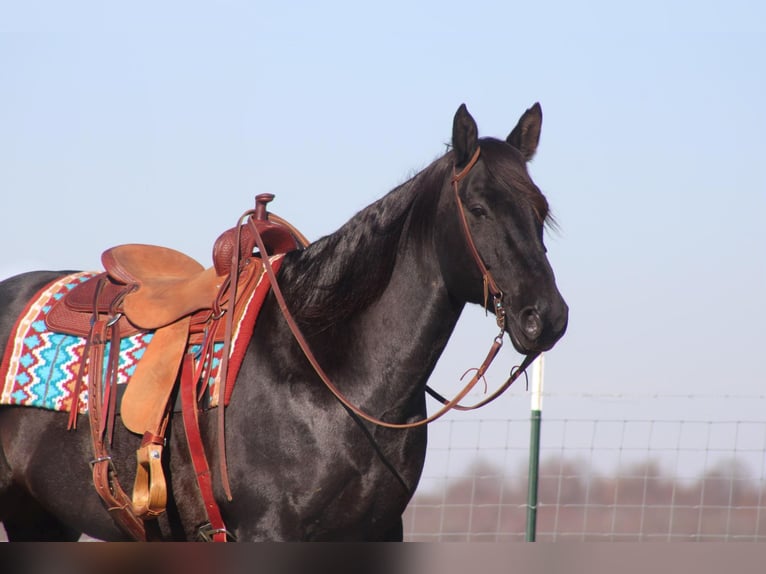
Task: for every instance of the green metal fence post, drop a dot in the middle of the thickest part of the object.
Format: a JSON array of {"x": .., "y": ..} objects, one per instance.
[{"x": 534, "y": 448}]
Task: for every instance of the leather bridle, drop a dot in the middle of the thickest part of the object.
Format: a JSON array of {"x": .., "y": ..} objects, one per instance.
[{"x": 490, "y": 287}]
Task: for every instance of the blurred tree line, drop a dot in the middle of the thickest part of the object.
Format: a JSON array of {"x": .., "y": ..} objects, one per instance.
[{"x": 638, "y": 503}]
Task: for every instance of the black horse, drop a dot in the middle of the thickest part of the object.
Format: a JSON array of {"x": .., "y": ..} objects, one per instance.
[{"x": 377, "y": 301}]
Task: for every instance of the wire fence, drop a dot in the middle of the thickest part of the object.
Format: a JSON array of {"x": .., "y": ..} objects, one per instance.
[{"x": 677, "y": 477}]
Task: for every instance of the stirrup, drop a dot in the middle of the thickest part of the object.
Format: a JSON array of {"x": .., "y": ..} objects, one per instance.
[{"x": 150, "y": 494}]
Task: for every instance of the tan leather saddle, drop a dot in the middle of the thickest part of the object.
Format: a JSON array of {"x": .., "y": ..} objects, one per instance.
[{"x": 150, "y": 288}]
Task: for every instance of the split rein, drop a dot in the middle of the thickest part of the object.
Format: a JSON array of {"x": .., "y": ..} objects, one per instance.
[{"x": 490, "y": 287}]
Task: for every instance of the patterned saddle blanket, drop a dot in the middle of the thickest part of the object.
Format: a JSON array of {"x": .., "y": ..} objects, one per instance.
[{"x": 40, "y": 366}]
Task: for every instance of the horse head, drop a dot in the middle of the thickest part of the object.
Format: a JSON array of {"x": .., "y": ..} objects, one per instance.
[{"x": 492, "y": 251}]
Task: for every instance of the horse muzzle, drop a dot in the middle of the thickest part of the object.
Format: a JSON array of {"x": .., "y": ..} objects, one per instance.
[{"x": 537, "y": 328}]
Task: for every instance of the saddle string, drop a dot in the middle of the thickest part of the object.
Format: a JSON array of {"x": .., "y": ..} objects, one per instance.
[
  {"x": 225, "y": 310},
  {"x": 110, "y": 383},
  {"x": 206, "y": 359},
  {"x": 233, "y": 280},
  {"x": 105, "y": 479},
  {"x": 77, "y": 390},
  {"x": 113, "y": 363}
]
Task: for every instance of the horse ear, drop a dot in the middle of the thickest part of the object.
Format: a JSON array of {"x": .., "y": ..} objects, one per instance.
[
  {"x": 465, "y": 136},
  {"x": 526, "y": 135}
]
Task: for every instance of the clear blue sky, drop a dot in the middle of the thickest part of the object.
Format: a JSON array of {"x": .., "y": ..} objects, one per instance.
[{"x": 136, "y": 122}]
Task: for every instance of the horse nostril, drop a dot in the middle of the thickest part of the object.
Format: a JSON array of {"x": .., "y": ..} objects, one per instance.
[{"x": 531, "y": 323}]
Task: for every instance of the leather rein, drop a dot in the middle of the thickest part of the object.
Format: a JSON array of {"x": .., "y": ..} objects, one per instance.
[{"x": 490, "y": 287}]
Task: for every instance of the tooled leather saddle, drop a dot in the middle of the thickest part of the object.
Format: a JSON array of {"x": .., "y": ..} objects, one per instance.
[{"x": 151, "y": 288}]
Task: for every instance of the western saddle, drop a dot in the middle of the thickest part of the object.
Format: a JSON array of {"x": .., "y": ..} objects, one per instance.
[{"x": 147, "y": 288}]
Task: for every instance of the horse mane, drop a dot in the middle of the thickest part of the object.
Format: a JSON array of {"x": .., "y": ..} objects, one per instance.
[{"x": 333, "y": 278}]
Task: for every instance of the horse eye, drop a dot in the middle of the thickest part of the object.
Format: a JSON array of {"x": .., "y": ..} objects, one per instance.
[{"x": 478, "y": 211}]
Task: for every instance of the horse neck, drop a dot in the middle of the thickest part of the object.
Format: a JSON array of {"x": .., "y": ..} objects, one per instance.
[
  {"x": 382, "y": 339},
  {"x": 408, "y": 327}
]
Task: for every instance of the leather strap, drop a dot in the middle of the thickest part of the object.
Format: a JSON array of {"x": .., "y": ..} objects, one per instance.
[
  {"x": 233, "y": 280},
  {"x": 299, "y": 237},
  {"x": 229, "y": 289},
  {"x": 72, "y": 424},
  {"x": 489, "y": 282},
  {"x": 118, "y": 503},
  {"x": 190, "y": 413},
  {"x": 110, "y": 383},
  {"x": 528, "y": 360}
]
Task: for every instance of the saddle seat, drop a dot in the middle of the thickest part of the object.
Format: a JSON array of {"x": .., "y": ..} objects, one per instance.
[
  {"x": 168, "y": 284},
  {"x": 141, "y": 294}
]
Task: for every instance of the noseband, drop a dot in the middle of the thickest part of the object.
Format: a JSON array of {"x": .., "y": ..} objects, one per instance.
[{"x": 490, "y": 287}]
